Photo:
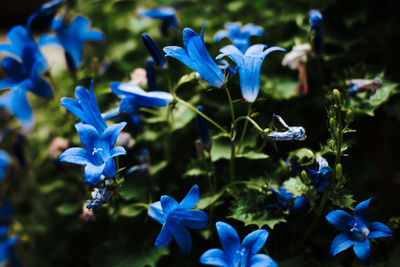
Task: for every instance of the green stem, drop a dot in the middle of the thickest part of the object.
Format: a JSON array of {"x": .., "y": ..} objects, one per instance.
[
  {"x": 190, "y": 106},
  {"x": 232, "y": 137},
  {"x": 244, "y": 127},
  {"x": 247, "y": 118},
  {"x": 230, "y": 103}
]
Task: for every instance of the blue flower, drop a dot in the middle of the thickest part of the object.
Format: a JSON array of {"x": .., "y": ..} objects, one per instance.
[
  {"x": 240, "y": 37},
  {"x": 249, "y": 66},
  {"x": 356, "y": 231},
  {"x": 316, "y": 26},
  {"x": 85, "y": 107},
  {"x": 154, "y": 51},
  {"x": 16, "y": 103},
  {"x": 100, "y": 197},
  {"x": 203, "y": 128},
  {"x": 72, "y": 38},
  {"x": 235, "y": 253},
  {"x": 134, "y": 97},
  {"x": 98, "y": 153},
  {"x": 292, "y": 133},
  {"x": 45, "y": 14},
  {"x": 7, "y": 255},
  {"x": 226, "y": 68},
  {"x": 176, "y": 217},
  {"x": 4, "y": 162},
  {"x": 285, "y": 200},
  {"x": 196, "y": 57},
  {"x": 151, "y": 75},
  {"x": 166, "y": 14},
  {"x": 320, "y": 178}
]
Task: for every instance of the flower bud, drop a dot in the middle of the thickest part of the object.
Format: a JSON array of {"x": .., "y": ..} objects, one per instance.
[
  {"x": 349, "y": 116},
  {"x": 154, "y": 51}
]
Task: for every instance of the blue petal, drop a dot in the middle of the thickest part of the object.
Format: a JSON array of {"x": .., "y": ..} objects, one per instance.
[
  {"x": 111, "y": 114},
  {"x": 88, "y": 135},
  {"x": 340, "y": 243},
  {"x": 110, "y": 135},
  {"x": 363, "y": 251},
  {"x": 158, "y": 13},
  {"x": 16, "y": 102},
  {"x": 180, "y": 54},
  {"x": 168, "y": 204},
  {"x": 48, "y": 39},
  {"x": 378, "y": 230},
  {"x": 93, "y": 173},
  {"x": 151, "y": 75},
  {"x": 110, "y": 170},
  {"x": 214, "y": 257},
  {"x": 221, "y": 34},
  {"x": 193, "y": 219},
  {"x": 4, "y": 161},
  {"x": 164, "y": 237},
  {"x": 252, "y": 29},
  {"x": 19, "y": 37},
  {"x": 182, "y": 238},
  {"x": 229, "y": 239},
  {"x": 361, "y": 211},
  {"x": 262, "y": 260},
  {"x": 153, "y": 49},
  {"x": 249, "y": 75},
  {"x": 118, "y": 151},
  {"x": 233, "y": 53},
  {"x": 75, "y": 155},
  {"x": 300, "y": 203},
  {"x": 155, "y": 212},
  {"x": 272, "y": 49},
  {"x": 341, "y": 220},
  {"x": 255, "y": 241},
  {"x": 40, "y": 86},
  {"x": 13, "y": 68},
  {"x": 191, "y": 198}
]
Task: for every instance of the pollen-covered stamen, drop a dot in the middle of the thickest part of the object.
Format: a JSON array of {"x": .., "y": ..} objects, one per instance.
[{"x": 359, "y": 232}]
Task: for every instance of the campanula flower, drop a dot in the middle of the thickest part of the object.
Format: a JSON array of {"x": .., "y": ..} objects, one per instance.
[
  {"x": 240, "y": 37},
  {"x": 249, "y": 66},
  {"x": 356, "y": 231},
  {"x": 361, "y": 85},
  {"x": 154, "y": 51},
  {"x": 316, "y": 27},
  {"x": 166, "y": 14},
  {"x": 285, "y": 200},
  {"x": 85, "y": 107},
  {"x": 292, "y": 133},
  {"x": 45, "y": 14},
  {"x": 235, "y": 253},
  {"x": 16, "y": 103},
  {"x": 72, "y": 38},
  {"x": 202, "y": 126},
  {"x": 100, "y": 197},
  {"x": 134, "y": 97},
  {"x": 196, "y": 57},
  {"x": 98, "y": 153},
  {"x": 151, "y": 75},
  {"x": 320, "y": 178},
  {"x": 4, "y": 162},
  {"x": 176, "y": 217}
]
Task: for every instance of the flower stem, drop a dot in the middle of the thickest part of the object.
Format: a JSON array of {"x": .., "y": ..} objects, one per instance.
[
  {"x": 244, "y": 127},
  {"x": 232, "y": 137}
]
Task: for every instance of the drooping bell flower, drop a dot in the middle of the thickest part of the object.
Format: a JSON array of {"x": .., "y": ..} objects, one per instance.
[
  {"x": 166, "y": 14},
  {"x": 320, "y": 178},
  {"x": 153, "y": 50},
  {"x": 196, "y": 57},
  {"x": 72, "y": 38},
  {"x": 176, "y": 217},
  {"x": 45, "y": 14},
  {"x": 236, "y": 253},
  {"x": 249, "y": 67},
  {"x": 316, "y": 27},
  {"x": 99, "y": 197},
  {"x": 356, "y": 231},
  {"x": 292, "y": 133},
  {"x": 240, "y": 36}
]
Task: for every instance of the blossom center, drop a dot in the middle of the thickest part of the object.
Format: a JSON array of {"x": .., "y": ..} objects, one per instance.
[
  {"x": 95, "y": 150},
  {"x": 359, "y": 232}
]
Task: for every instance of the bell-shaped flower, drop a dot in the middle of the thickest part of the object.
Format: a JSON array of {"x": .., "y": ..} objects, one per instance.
[
  {"x": 356, "y": 231},
  {"x": 196, "y": 57},
  {"x": 72, "y": 38},
  {"x": 4, "y": 162},
  {"x": 166, "y": 14},
  {"x": 134, "y": 97},
  {"x": 240, "y": 36},
  {"x": 320, "y": 178},
  {"x": 45, "y": 14},
  {"x": 235, "y": 253},
  {"x": 249, "y": 66},
  {"x": 85, "y": 107},
  {"x": 285, "y": 200},
  {"x": 176, "y": 217},
  {"x": 316, "y": 27},
  {"x": 97, "y": 157},
  {"x": 292, "y": 133},
  {"x": 154, "y": 51}
]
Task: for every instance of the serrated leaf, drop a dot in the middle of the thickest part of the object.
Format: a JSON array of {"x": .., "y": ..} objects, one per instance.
[
  {"x": 248, "y": 219},
  {"x": 296, "y": 186},
  {"x": 205, "y": 202},
  {"x": 341, "y": 199},
  {"x": 253, "y": 155},
  {"x": 131, "y": 210}
]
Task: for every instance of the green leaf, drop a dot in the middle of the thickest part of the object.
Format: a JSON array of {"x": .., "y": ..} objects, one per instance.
[
  {"x": 195, "y": 172},
  {"x": 253, "y": 155},
  {"x": 279, "y": 88},
  {"x": 50, "y": 187},
  {"x": 342, "y": 199},
  {"x": 260, "y": 221},
  {"x": 296, "y": 186},
  {"x": 182, "y": 116},
  {"x": 220, "y": 150},
  {"x": 67, "y": 209},
  {"x": 205, "y": 202},
  {"x": 131, "y": 210},
  {"x": 186, "y": 78}
]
